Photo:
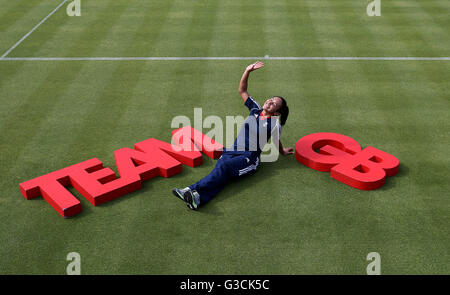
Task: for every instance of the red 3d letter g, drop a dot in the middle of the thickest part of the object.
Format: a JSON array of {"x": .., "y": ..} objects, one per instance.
[{"x": 341, "y": 155}]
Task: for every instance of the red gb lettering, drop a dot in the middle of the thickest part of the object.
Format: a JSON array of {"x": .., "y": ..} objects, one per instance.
[{"x": 343, "y": 158}]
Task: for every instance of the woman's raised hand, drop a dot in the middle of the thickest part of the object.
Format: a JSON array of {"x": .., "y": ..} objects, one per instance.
[{"x": 255, "y": 66}]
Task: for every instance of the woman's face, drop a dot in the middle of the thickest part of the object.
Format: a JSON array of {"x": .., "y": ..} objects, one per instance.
[{"x": 272, "y": 104}]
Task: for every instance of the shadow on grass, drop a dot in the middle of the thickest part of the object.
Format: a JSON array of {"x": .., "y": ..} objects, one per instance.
[
  {"x": 86, "y": 206},
  {"x": 148, "y": 188},
  {"x": 266, "y": 172},
  {"x": 391, "y": 181}
]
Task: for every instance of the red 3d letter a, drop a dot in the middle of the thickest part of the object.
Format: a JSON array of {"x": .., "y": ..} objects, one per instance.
[{"x": 342, "y": 156}]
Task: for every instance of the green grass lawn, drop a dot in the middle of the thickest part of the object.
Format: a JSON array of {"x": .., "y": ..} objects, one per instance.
[{"x": 285, "y": 219}]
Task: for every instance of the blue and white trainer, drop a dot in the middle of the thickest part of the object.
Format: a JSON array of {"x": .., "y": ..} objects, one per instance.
[{"x": 190, "y": 197}]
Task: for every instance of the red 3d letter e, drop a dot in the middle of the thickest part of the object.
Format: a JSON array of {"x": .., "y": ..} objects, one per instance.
[{"x": 341, "y": 155}]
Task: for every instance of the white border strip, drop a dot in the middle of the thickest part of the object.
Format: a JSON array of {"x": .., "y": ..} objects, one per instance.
[
  {"x": 215, "y": 58},
  {"x": 32, "y": 30}
]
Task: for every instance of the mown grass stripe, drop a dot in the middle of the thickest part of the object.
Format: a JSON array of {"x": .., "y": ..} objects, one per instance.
[
  {"x": 27, "y": 144},
  {"x": 125, "y": 128},
  {"x": 174, "y": 30},
  {"x": 437, "y": 101},
  {"x": 27, "y": 20},
  {"x": 366, "y": 104},
  {"x": 197, "y": 38},
  {"x": 16, "y": 12},
  {"x": 29, "y": 102},
  {"x": 33, "y": 29},
  {"x": 285, "y": 23},
  {"x": 225, "y": 31},
  {"x": 390, "y": 83},
  {"x": 251, "y": 28}
]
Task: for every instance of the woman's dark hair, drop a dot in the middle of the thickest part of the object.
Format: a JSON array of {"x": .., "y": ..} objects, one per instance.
[{"x": 283, "y": 110}]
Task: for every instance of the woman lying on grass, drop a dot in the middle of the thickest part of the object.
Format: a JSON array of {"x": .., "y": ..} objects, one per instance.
[{"x": 244, "y": 157}]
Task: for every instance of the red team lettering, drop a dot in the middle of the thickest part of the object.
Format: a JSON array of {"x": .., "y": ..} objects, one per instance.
[
  {"x": 341, "y": 155},
  {"x": 98, "y": 185}
]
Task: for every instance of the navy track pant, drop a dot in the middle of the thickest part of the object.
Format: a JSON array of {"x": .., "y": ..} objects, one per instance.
[{"x": 228, "y": 166}]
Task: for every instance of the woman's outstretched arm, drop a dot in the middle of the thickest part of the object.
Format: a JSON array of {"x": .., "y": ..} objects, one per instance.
[
  {"x": 285, "y": 151},
  {"x": 243, "y": 84}
]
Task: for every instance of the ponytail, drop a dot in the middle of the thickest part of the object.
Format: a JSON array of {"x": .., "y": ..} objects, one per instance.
[{"x": 283, "y": 110}]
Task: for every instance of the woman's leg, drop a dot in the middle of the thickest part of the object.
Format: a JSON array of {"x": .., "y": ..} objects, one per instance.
[
  {"x": 228, "y": 166},
  {"x": 213, "y": 183}
]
